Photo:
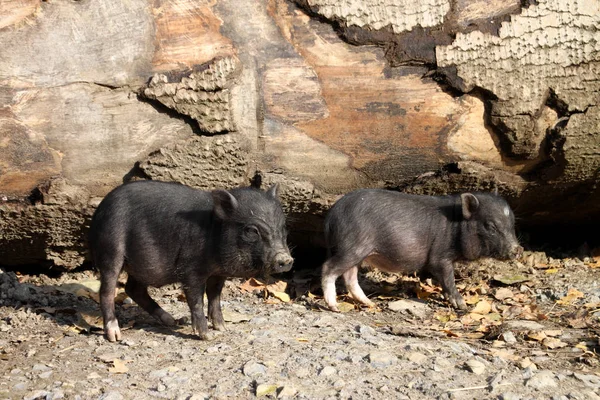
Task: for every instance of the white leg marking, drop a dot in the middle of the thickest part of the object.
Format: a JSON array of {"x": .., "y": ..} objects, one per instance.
[{"x": 351, "y": 280}]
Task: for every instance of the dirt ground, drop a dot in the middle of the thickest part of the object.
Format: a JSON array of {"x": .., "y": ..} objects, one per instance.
[{"x": 532, "y": 333}]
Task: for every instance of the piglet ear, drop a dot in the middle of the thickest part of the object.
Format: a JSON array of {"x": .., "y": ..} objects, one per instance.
[
  {"x": 470, "y": 204},
  {"x": 224, "y": 203},
  {"x": 273, "y": 191}
]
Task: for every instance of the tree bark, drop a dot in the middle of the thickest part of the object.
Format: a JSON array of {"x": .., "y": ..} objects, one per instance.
[{"x": 322, "y": 96}]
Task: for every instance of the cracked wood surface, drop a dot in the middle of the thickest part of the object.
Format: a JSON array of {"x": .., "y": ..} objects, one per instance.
[{"x": 92, "y": 94}]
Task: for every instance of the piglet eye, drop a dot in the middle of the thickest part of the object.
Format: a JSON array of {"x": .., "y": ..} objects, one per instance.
[
  {"x": 490, "y": 226},
  {"x": 251, "y": 233}
]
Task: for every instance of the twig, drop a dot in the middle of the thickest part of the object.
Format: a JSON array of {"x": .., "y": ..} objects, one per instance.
[
  {"x": 478, "y": 387},
  {"x": 66, "y": 349}
]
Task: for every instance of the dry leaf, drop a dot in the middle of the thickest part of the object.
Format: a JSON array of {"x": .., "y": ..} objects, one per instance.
[
  {"x": 483, "y": 307},
  {"x": 445, "y": 316},
  {"x": 449, "y": 333},
  {"x": 477, "y": 367},
  {"x": 571, "y": 297},
  {"x": 511, "y": 279},
  {"x": 503, "y": 294},
  {"x": 527, "y": 363},
  {"x": 474, "y": 335},
  {"x": 424, "y": 291},
  {"x": 278, "y": 287},
  {"x": 551, "y": 270},
  {"x": 302, "y": 340},
  {"x": 472, "y": 299},
  {"x": 553, "y": 332},
  {"x": 537, "y": 336},
  {"x": 345, "y": 306},
  {"x": 504, "y": 354},
  {"x": 553, "y": 343},
  {"x": 251, "y": 285},
  {"x": 281, "y": 296},
  {"x": 118, "y": 367}
]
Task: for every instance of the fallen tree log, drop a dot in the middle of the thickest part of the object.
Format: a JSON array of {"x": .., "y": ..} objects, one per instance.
[{"x": 429, "y": 96}]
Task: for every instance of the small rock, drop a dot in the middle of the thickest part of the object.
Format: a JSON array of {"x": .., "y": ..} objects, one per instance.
[
  {"x": 55, "y": 395},
  {"x": 508, "y": 337},
  {"x": 94, "y": 375},
  {"x": 327, "y": 371},
  {"x": 366, "y": 330},
  {"x": 161, "y": 388},
  {"x": 253, "y": 369},
  {"x": 302, "y": 372},
  {"x": 45, "y": 375},
  {"x": 475, "y": 366},
  {"x": 40, "y": 368},
  {"x": 527, "y": 363},
  {"x": 324, "y": 321},
  {"x": 265, "y": 389},
  {"x": 152, "y": 343},
  {"x": 286, "y": 391},
  {"x": 38, "y": 394},
  {"x": 417, "y": 358},
  {"x": 339, "y": 384},
  {"x": 20, "y": 386},
  {"x": 127, "y": 342},
  {"x": 382, "y": 359},
  {"x": 158, "y": 373},
  {"x": 542, "y": 380},
  {"x": 22, "y": 293},
  {"x": 522, "y": 325},
  {"x": 15, "y": 371},
  {"x": 417, "y": 308},
  {"x": 509, "y": 396},
  {"x": 591, "y": 381},
  {"x": 199, "y": 396},
  {"x": 112, "y": 395}
]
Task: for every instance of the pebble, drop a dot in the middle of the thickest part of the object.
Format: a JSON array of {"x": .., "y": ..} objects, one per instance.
[
  {"x": 415, "y": 307},
  {"x": 161, "y": 388},
  {"x": 591, "y": 381},
  {"x": 253, "y": 369},
  {"x": 327, "y": 371},
  {"x": 365, "y": 330},
  {"x": 40, "y": 368},
  {"x": 417, "y": 358},
  {"x": 265, "y": 389},
  {"x": 382, "y": 359},
  {"x": 55, "y": 395},
  {"x": 522, "y": 325},
  {"x": 199, "y": 396},
  {"x": 45, "y": 375},
  {"x": 286, "y": 391},
  {"x": 509, "y": 337},
  {"x": 21, "y": 293},
  {"x": 112, "y": 395},
  {"x": 509, "y": 396},
  {"x": 542, "y": 380},
  {"x": 20, "y": 386},
  {"x": 475, "y": 366}
]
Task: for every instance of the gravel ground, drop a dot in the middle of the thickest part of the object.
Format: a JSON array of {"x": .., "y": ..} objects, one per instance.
[{"x": 533, "y": 337}]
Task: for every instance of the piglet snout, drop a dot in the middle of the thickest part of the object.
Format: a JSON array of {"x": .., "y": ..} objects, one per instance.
[{"x": 283, "y": 262}]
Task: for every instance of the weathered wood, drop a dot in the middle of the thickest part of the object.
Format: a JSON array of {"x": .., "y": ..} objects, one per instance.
[{"x": 429, "y": 96}]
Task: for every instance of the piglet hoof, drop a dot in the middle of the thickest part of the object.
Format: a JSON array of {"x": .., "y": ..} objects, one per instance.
[
  {"x": 334, "y": 308},
  {"x": 459, "y": 304},
  {"x": 208, "y": 336},
  {"x": 219, "y": 327},
  {"x": 167, "y": 320},
  {"x": 183, "y": 321},
  {"x": 112, "y": 331}
]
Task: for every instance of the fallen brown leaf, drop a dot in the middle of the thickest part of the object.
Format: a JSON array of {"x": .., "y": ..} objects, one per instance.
[
  {"x": 118, "y": 367},
  {"x": 503, "y": 294},
  {"x": 483, "y": 307},
  {"x": 572, "y": 296},
  {"x": 553, "y": 343}
]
